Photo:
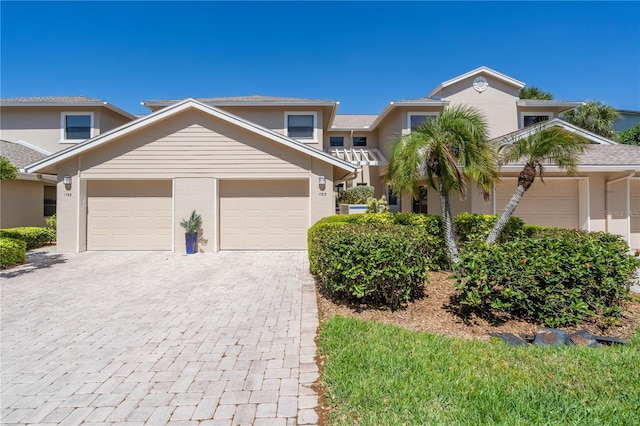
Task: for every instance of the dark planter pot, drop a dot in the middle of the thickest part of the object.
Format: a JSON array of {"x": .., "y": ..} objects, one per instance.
[{"x": 192, "y": 243}]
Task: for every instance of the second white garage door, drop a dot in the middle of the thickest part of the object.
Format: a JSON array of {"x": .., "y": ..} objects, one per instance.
[
  {"x": 129, "y": 215},
  {"x": 552, "y": 203},
  {"x": 264, "y": 215}
]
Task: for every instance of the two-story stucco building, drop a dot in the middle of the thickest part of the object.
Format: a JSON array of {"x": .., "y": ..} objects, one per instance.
[{"x": 261, "y": 170}]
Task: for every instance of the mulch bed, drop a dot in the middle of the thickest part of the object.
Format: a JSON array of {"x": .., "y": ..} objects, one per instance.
[{"x": 435, "y": 313}]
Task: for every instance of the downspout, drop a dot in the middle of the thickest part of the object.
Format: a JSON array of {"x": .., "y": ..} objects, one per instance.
[{"x": 606, "y": 202}]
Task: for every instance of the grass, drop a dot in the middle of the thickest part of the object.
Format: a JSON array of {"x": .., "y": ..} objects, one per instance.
[{"x": 378, "y": 374}]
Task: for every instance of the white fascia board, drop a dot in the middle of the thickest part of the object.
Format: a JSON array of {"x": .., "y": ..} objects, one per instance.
[
  {"x": 154, "y": 106},
  {"x": 601, "y": 140},
  {"x": 173, "y": 110},
  {"x": 35, "y": 148},
  {"x": 579, "y": 168},
  {"x": 482, "y": 69},
  {"x": 543, "y": 103}
]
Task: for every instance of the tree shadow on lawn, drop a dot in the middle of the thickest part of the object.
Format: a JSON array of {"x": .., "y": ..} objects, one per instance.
[{"x": 36, "y": 260}]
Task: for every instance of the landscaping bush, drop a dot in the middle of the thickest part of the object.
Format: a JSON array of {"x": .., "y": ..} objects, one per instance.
[
  {"x": 34, "y": 237},
  {"x": 12, "y": 252},
  {"x": 356, "y": 195},
  {"x": 428, "y": 225},
  {"x": 379, "y": 263},
  {"x": 557, "y": 277},
  {"x": 52, "y": 222},
  {"x": 470, "y": 227}
]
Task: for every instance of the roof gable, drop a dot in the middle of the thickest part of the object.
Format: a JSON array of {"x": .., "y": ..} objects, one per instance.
[
  {"x": 527, "y": 131},
  {"x": 481, "y": 70},
  {"x": 173, "y": 110}
]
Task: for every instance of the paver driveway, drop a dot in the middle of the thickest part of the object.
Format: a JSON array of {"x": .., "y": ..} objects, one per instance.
[{"x": 219, "y": 338}]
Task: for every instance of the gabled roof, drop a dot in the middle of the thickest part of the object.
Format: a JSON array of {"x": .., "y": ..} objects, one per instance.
[
  {"x": 62, "y": 101},
  {"x": 175, "y": 109},
  {"x": 481, "y": 70},
  {"x": 254, "y": 100},
  {"x": 527, "y": 131},
  {"x": 545, "y": 103},
  {"x": 21, "y": 154}
]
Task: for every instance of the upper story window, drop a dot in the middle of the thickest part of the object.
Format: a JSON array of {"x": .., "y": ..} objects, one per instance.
[
  {"x": 76, "y": 126},
  {"x": 359, "y": 141},
  {"x": 301, "y": 125},
  {"x": 416, "y": 119},
  {"x": 530, "y": 118},
  {"x": 336, "y": 141}
]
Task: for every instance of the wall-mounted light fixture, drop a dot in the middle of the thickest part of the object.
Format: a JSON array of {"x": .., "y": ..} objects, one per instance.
[
  {"x": 67, "y": 182},
  {"x": 322, "y": 181}
]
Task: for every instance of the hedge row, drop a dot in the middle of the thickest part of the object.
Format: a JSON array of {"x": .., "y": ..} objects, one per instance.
[
  {"x": 12, "y": 252},
  {"x": 34, "y": 237},
  {"x": 376, "y": 262},
  {"x": 554, "y": 276}
]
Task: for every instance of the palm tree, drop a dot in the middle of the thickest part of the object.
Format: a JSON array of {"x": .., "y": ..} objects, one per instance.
[
  {"x": 447, "y": 151},
  {"x": 533, "y": 92},
  {"x": 595, "y": 117},
  {"x": 542, "y": 146}
]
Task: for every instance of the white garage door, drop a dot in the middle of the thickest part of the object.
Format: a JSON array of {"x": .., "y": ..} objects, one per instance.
[
  {"x": 552, "y": 203},
  {"x": 264, "y": 215},
  {"x": 129, "y": 215},
  {"x": 634, "y": 199}
]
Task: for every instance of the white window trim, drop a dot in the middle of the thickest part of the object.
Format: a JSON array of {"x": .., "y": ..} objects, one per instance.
[
  {"x": 63, "y": 125},
  {"x": 314, "y": 139},
  {"x": 407, "y": 129},
  {"x": 527, "y": 113}
]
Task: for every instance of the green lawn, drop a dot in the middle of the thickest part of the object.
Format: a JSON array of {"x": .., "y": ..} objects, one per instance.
[{"x": 378, "y": 374}]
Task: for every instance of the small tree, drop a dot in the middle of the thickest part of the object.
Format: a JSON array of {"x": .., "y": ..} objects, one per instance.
[
  {"x": 553, "y": 144},
  {"x": 7, "y": 170},
  {"x": 595, "y": 117},
  {"x": 630, "y": 136}
]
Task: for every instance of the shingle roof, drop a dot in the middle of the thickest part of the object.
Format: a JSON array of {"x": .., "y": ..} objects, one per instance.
[
  {"x": 424, "y": 99},
  {"x": 353, "y": 121},
  {"x": 619, "y": 155},
  {"x": 52, "y": 99},
  {"x": 245, "y": 99},
  {"x": 19, "y": 155}
]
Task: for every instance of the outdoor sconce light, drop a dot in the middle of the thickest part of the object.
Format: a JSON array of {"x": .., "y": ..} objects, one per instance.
[
  {"x": 322, "y": 181},
  {"x": 67, "y": 181}
]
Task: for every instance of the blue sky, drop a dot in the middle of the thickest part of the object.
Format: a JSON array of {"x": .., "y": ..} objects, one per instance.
[{"x": 363, "y": 54}]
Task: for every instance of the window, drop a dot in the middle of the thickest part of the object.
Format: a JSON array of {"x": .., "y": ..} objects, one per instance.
[
  {"x": 301, "y": 125},
  {"x": 415, "y": 119},
  {"x": 359, "y": 141},
  {"x": 336, "y": 141},
  {"x": 76, "y": 126},
  {"x": 392, "y": 198},
  {"x": 530, "y": 119},
  {"x": 49, "y": 201}
]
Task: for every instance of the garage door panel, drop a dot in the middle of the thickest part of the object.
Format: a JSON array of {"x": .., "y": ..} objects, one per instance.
[
  {"x": 129, "y": 215},
  {"x": 555, "y": 202},
  {"x": 267, "y": 215}
]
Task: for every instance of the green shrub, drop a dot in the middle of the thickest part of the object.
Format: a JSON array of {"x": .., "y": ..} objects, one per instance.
[
  {"x": 471, "y": 227},
  {"x": 429, "y": 225},
  {"x": 378, "y": 263},
  {"x": 557, "y": 277},
  {"x": 356, "y": 195},
  {"x": 531, "y": 230},
  {"x": 12, "y": 252},
  {"x": 52, "y": 224},
  {"x": 34, "y": 237},
  {"x": 377, "y": 206}
]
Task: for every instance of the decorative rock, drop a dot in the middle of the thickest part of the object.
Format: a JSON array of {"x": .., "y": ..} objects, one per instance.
[
  {"x": 582, "y": 338},
  {"x": 509, "y": 338},
  {"x": 550, "y": 337}
]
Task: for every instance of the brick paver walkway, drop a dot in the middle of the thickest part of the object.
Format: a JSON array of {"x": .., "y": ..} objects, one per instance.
[{"x": 159, "y": 338}]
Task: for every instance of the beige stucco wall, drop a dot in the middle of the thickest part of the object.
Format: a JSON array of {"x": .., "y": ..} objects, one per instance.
[
  {"x": 22, "y": 203},
  {"x": 41, "y": 126},
  {"x": 71, "y": 214},
  {"x": 322, "y": 199},
  {"x": 197, "y": 194}
]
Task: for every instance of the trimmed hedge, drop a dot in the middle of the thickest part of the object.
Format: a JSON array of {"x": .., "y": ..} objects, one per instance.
[
  {"x": 34, "y": 237},
  {"x": 556, "y": 276},
  {"x": 471, "y": 227},
  {"x": 377, "y": 263},
  {"x": 12, "y": 252},
  {"x": 356, "y": 195},
  {"x": 52, "y": 224},
  {"x": 428, "y": 225}
]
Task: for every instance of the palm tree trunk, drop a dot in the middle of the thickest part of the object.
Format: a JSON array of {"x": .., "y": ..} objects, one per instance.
[
  {"x": 447, "y": 222},
  {"x": 506, "y": 215}
]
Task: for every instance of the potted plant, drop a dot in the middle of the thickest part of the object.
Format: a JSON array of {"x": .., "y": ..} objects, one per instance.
[{"x": 191, "y": 227}]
